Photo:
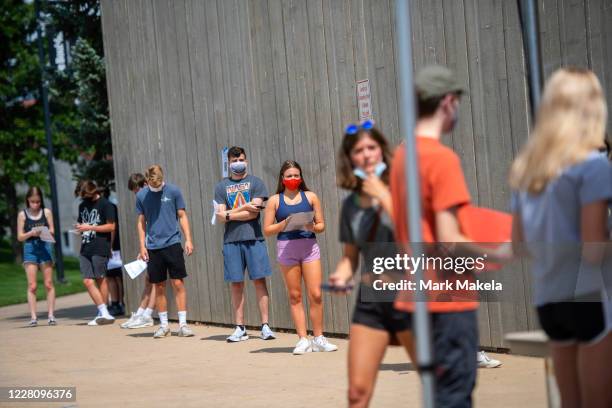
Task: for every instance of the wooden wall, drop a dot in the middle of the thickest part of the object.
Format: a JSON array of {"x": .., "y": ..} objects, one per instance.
[{"x": 278, "y": 77}]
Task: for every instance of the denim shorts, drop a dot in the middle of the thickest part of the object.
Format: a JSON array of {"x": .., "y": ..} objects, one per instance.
[
  {"x": 38, "y": 252},
  {"x": 252, "y": 255},
  {"x": 297, "y": 251}
]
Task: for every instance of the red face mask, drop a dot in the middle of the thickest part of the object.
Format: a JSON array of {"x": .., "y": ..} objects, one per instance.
[{"x": 292, "y": 184}]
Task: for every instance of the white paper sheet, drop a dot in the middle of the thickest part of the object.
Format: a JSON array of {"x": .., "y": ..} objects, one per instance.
[
  {"x": 115, "y": 261},
  {"x": 45, "y": 234},
  {"x": 215, "y": 205},
  {"x": 135, "y": 268},
  {"x": 297, "y": 221}
]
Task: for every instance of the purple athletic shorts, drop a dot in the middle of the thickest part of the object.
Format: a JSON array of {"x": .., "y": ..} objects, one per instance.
[{"x": 296, "y": 251}]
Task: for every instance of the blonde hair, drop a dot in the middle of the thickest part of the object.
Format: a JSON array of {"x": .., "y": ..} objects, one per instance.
[
  {"x": 154, "y": 175},
  {"x": 570, "y": 124}
]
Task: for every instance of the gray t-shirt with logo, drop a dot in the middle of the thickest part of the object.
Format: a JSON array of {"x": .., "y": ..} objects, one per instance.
[
  {"x": 160, "y": 212},
  {"x": 551, "y": 230},
  {"x": 234, "y": 194}
]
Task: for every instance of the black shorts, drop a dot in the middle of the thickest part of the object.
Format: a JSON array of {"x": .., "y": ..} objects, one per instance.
[
  {"x": 455, "y": 344},
  {"x": 571, "y": 322},
  {"x": 380, "y": 315},
  {"x": 166, "y": 261},
  {"x": 114, "y": 273}
]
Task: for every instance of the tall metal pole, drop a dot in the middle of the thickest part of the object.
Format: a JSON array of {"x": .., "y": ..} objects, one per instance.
[
  {"x": 531, "y": 43},
  {"x": 59, "y": 257},
  {"x": 407, "y": 119}
]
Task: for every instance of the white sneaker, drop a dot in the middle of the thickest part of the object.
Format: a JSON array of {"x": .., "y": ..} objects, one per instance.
[
  {"x": 140, "y": 322},
  {"x": 131, "y": 320},
  {"x": 267, "y": 333},
  {"x": 105, "y": 319},
  {"x": 303, "y": 346},
  {"x": 485, "y": 361},
  {"x": 162, "y": 332},
  {"x": 93, "y": 322},
  {"x": 238, "y": 335},
  {"x": 185, "y": 331},
  {"x": 320, "y": 343}
]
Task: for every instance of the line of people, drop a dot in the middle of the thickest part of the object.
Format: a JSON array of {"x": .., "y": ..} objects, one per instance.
[{"x": 561, "y": 192}]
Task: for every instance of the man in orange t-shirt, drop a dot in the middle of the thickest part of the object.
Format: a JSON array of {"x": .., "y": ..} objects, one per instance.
[{"x": 443, "y": 192}]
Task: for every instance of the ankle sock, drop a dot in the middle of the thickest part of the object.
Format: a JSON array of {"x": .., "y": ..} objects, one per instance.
[{"x": 163, "y": 318}]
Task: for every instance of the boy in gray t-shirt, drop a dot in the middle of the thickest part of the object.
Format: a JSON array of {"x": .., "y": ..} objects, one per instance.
[{"x": 240, "y": 198}]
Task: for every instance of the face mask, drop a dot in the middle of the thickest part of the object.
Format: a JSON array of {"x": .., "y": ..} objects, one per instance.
[
  {"x": 292, "y": 184},
  {"x": 238, "y": 168},
  {"x": 157, "y": 189},
  {"x": 378, "y": 170}
]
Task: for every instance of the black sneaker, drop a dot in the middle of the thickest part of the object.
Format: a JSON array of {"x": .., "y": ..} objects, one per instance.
[{"x": 114, "y": 310}]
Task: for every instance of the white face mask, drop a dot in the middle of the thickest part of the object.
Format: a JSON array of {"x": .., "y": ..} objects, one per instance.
[{"x": 158, "y": 189}]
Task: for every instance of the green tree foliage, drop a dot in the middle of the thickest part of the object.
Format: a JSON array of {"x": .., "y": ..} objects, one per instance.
[
  {"x": 22, "y": 139},
  {"x": 80, "y": 90}
]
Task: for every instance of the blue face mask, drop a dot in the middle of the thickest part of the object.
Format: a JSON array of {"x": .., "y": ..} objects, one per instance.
[
  {"x": 378, "y": 170},
  {"x": 238, "y": 168}
]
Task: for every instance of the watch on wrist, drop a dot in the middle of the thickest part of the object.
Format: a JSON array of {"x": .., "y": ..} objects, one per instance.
[{"x": 227, "y": 214}]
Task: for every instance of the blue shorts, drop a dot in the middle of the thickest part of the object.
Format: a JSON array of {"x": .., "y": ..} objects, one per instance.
[
  {"x": 37, "y": 252},
  {"x": 252, "y": 255}
]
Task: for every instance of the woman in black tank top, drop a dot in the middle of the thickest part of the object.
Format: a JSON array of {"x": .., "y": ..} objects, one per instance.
[{"x": 36, "y": 252}]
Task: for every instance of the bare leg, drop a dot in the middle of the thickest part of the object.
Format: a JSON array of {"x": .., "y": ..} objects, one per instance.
[
  {"x": 238, "y": 301},
  {"x": 93, "y": 291},
  {"x": 112, "y": 289},
  {"x": 595, "y": 373},
  {"x": 293, "y": 282},
  {"x": 152, "y": 296},
  {"x": 312, "y": 279},
  {"x": 261, "y": 292},
  {"x": 103, "y": 285},
  {"x": 566, "y": 373},
  {"x": 366, "y": 350},
  {"x": 161, "y": 302},
  {"x": 31, "y": 271},
  {"x": 180, "y": 294},
  {"x": 407, "y": 340},
  {"x": 48, "y": 279}
]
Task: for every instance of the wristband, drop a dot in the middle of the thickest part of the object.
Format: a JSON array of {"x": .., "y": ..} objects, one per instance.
[{"x": 227, "y": 216}]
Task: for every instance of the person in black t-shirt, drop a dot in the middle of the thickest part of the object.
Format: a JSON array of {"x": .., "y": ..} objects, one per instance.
[
  {"x": 96, "y": 222},
  {"x": 114, "y": 274}
]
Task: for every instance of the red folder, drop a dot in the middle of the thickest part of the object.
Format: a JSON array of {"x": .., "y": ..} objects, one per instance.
[{"x": 485, "y": 226}]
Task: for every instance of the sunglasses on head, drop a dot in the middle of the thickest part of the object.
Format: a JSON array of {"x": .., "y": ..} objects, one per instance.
[{"x": 353, "y": 129}]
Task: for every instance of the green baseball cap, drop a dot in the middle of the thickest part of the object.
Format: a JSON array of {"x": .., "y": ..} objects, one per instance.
[{"x": 435, "y": 81}]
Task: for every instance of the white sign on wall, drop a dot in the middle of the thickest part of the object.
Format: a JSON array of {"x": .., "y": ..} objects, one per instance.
[
  {"x": 224, "y": 162},
  {"x": 364, "y": 100}
]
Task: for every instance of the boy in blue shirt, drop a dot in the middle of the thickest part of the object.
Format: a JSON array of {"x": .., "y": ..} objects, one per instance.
[{"x": 161, "y": 210}]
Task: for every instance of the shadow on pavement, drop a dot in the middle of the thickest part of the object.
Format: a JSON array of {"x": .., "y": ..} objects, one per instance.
[
  {"x": 219, "y": 337},
  {"x": 147, "y": 334},
  {"x": 274, "y": 350},
  {"x": 399, "y": 367},
  {"x": 76, "y": 313}
]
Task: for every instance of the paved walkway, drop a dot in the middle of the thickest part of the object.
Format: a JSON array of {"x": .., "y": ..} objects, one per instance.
[{"x": 113, "y": 367}]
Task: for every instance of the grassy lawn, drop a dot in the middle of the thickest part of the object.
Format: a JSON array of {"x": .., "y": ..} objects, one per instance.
[{"x": 13, "y": 282}]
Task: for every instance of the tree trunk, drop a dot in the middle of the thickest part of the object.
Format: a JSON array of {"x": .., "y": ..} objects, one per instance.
[{"x": 12, "y": 204}]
